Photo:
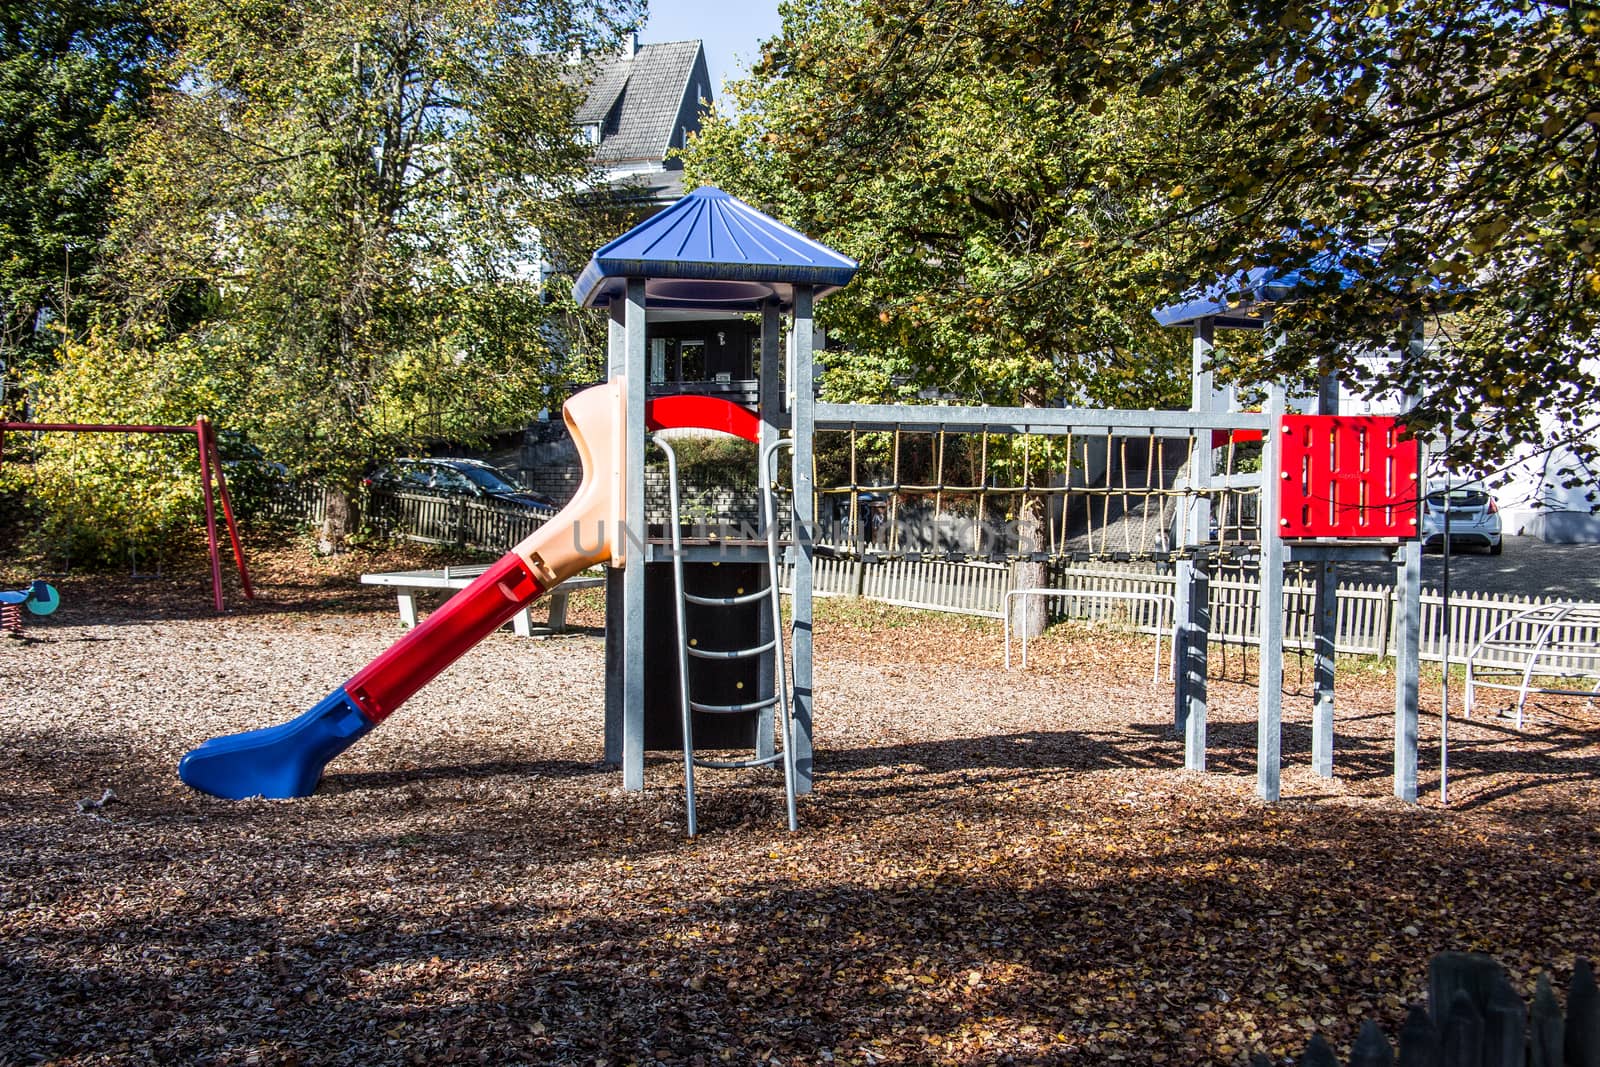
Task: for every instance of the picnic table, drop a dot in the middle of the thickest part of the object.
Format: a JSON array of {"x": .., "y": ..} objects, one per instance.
[{"x": 407, "y": 584}]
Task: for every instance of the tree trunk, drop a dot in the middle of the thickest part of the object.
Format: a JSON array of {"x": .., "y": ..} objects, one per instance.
[
  {"x": 1032, "y": 612},
  {"x": 338, "y": 516}
]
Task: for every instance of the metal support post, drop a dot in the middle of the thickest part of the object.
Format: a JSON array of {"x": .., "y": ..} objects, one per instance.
[
  {"x": 1190, "y": 659},
  {"x": 1326, "y": 608},
  {"x": 614, "y": 656},
  {"x": 1408, "y": 629},
  {"x": 1193, "y": 609},
  {"x": 1269, "y": 706},
  {"x": 803, "y": 407},
  {"x": 770, "y": 405},
  {"x": 631, "y": 538},
  {"x": 1407, "y": 666},
  {"x": 616, "y": 366}
]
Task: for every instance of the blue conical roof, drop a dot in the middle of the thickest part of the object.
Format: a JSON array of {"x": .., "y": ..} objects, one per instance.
[
  {"x": 711, "y": 250},
  {"x": 1245, "y": 300}
]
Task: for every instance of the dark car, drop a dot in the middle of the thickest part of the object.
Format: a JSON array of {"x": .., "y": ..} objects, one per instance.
[
  {"x": 254, "y": 481},
  {"x": 459, "y": 477}
]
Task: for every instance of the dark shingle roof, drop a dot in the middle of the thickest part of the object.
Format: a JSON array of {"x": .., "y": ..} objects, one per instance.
[{"x": 636, "y": 99}]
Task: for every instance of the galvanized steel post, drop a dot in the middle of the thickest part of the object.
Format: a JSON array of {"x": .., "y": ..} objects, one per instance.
[
  {"x": 631, "y": 537},
  {"x": 803, "y": 413},
  {"x": 1269, "y": 699}
]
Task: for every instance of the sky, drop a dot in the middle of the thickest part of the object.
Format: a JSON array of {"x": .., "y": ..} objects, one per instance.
[{"x": 731, "y": 29}]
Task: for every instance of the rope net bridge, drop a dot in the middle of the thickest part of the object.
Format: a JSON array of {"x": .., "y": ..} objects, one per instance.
[{"x": 1072, "y": 496}]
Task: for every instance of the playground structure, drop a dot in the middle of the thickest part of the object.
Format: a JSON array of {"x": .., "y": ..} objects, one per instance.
[
  {"x": 40, "y": 598},
  {"x": 1340, "y": 489},
  {"x": 213, "y": 484},
  {"x": 1551, "y": 641}
]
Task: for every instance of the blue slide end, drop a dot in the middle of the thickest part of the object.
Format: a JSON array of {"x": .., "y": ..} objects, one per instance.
[{"x": 277, "y": 761}]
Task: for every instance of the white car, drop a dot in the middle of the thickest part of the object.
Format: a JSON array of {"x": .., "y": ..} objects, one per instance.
[{"x": 1474, "y": 518}]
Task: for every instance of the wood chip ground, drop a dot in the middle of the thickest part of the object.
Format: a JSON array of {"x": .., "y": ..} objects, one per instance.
[{"x": 994, "y": 868}]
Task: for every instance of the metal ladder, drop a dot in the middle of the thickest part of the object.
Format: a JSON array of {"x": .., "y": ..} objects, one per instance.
[{"x": 687, "y": 647}]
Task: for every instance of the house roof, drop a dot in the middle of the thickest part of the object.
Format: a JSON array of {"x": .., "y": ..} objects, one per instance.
[
  {"x": 636, "y": 98},
  {"x": 711, "y": 250}
]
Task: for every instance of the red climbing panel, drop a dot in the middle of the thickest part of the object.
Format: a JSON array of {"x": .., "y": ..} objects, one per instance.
[{"x": 1347, "y": 476}]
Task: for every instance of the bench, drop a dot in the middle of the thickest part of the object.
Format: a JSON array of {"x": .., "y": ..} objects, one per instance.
[{"x": 407, "y": 584}]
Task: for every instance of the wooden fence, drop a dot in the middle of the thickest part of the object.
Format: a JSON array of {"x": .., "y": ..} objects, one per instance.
[
  {"x": 963, "y": 588},
  {"x": 293, "y": 501},
  {"x": 1367, "y": 614},
  {"x": 433, "y": 519},
  {"x": 450, "y": 520},
  {"x": 1474, "y": 1018}
]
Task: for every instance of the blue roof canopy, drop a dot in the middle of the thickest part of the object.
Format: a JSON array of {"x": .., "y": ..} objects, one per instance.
[
  {"x": 711, "y": 251},
  {"x": 1244, "y": 301}
]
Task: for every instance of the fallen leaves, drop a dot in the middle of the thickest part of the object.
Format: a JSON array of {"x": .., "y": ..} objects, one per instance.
[{"x": 994, "y": 867}]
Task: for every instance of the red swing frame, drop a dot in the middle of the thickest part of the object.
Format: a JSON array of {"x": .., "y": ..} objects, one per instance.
[{"x": 210, "y": 469}]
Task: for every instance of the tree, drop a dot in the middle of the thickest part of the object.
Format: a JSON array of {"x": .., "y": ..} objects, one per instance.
[
  {"x": 1455, "y": 145},
  {"x": 73, "y": 79},
  {"x": 364, "y": 188},
  {"x": 971, "y": 200},
  {"x": 1450, "y": 148},
  {"x": 996, "y": 251}
]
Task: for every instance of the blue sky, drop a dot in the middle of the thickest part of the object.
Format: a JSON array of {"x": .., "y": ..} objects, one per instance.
[{"x": 731, "y": 29}]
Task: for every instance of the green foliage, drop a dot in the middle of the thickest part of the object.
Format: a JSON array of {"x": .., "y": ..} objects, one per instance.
[
  {"x": 72, "y": 81},
  {"x": 1461, "y": 140},
  {"x": 996, "y": 251},
  {"x": 723, "y": 462},
  {"x": 103, "y": 498},
  {"x": 1169, "y": 144},
  {"x": 363, "y": 185}
]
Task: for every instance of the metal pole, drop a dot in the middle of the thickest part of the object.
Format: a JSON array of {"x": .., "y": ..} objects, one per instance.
[
  {"x": 616, "y": 611},
  {"x": 199, "y": 431},
  {"x": 1269, "y": 704},
  {"x": 631, "y": 536},
  {"x": 803, "y": 402},
  {"x": 1408, "y": 634},
  {"x": 1192, "y": 610},
  {"x": 681, "y": 613},
  {"x": 1327, "y": 628},
  {"x": 770, "y": 408},
  {"x": 1325, "y": 656},
  {"x": 227, "y": 512},
  {"x": 1444, "y": 631}
]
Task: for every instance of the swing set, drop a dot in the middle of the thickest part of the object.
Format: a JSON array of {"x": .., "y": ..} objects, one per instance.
[{"x": 213, "y": 484}]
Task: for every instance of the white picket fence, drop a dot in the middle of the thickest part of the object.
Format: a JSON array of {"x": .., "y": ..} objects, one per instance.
[
  {"x": 962, "y": 588},
  {"x": 1367, "y": 613}
]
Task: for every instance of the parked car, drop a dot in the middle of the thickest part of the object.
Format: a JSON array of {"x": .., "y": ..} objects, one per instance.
[
  {"x": 1474, "y": 517},
  {"x": 459, "y": 477},
  {"x": 254, "y": 481}
]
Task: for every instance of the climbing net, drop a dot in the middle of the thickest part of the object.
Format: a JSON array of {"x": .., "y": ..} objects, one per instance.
[{"x": 1069, "y": 496}]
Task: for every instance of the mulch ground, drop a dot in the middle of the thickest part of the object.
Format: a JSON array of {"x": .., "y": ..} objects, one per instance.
[{"x": 994, "y": 867}]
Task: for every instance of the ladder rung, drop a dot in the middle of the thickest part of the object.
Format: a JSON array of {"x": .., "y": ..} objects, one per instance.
[
  {"x": 733, "y": 709},
  {"x": 732, "y": 653},
  {"x": 728, "y": 601},
  {"x": 738, "y": 765}
]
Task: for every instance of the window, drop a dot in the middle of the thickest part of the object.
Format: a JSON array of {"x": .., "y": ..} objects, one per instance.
[{"x": 691, "y": 361}]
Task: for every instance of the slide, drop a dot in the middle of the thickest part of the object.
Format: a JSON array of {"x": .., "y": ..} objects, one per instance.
[{"x": 287, "y": 760}]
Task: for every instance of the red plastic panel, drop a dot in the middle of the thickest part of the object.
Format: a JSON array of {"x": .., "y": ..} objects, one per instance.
[
  {"x": 1220, "y": 438},
  {"x": 1347, "y": 476},
  {"x": 702, "y": 412}
]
